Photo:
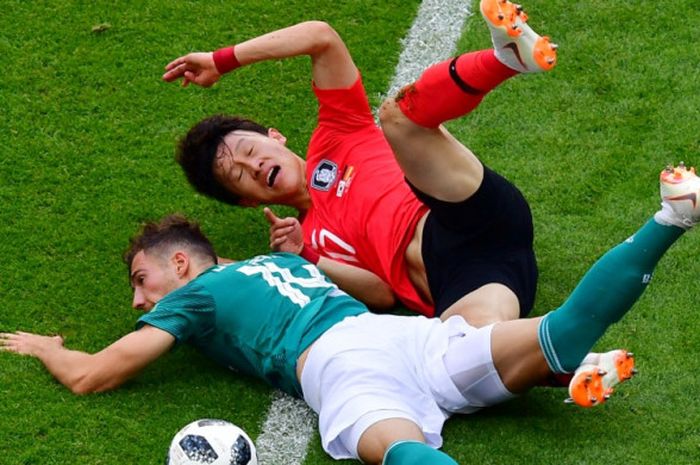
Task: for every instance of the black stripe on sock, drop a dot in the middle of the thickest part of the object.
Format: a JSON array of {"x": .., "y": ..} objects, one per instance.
[{"x": 458, "y": 80}]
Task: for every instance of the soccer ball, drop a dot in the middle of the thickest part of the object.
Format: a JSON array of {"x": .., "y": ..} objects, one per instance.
[{"x": 212, "y": 442}]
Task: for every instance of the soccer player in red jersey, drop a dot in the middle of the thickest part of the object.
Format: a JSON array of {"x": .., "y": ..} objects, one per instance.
[{"x": 405, "y": 210}]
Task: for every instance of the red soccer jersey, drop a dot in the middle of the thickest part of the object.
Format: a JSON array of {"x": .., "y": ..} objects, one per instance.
[{"x": 363, "y": 213}]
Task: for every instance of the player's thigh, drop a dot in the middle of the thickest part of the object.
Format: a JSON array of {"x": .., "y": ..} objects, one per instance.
[
  {"x": 431, "y": 158},
  {"x": 376, "y": 439},
  {"x": 491, "y": 303},
  {"x": 517, "y": 355}
]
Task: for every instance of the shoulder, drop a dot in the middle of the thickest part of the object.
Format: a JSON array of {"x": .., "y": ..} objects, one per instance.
[
  {"x": 183, "y": 313},
  {"x": 343, "y": 109}
]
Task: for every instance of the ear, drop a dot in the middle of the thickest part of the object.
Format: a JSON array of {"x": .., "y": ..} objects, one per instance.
[
  {"x": 276, "y": 135},
  {"x": 181, "y": 263}
]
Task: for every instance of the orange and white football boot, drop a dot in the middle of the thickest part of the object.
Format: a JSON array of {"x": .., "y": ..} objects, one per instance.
[
  {"x": 594, "y": 381},
  {"x": 680, "y": 196},
  {"x": 515, "y": 43}
]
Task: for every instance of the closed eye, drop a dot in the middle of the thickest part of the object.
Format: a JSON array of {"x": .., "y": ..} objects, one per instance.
[{"x": 240, "y": 175}]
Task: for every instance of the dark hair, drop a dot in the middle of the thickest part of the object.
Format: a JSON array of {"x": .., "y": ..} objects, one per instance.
[
  {"x": 172, "y": 230},
  {"x": 197, "y": 152}
]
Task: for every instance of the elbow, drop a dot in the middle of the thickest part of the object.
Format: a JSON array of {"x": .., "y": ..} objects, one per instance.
[
  {"x": 383, "y": 305},
  {"x": 81, "y": 389},
  {"x": 82, "y": 386},
  {"x": 86, "y": 384},
  {"x": 323, "y": 34},
  {"x": 382, "y": 301}
]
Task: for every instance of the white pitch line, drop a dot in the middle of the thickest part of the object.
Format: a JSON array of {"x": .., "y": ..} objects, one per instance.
[
  {"x": 286, "y": 433},
  {"x": 290, "y": 423},
  {"x": 432, "y": 38}
]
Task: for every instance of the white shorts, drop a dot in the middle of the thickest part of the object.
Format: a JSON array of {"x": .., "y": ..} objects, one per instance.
[{"x": 371, "y": 367}]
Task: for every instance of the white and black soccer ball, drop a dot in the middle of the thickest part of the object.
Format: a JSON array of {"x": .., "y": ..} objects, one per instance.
[{"x": 212, "y": 442}]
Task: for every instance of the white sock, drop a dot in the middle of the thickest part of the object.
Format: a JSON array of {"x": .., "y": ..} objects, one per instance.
[{"x": 667, "y": 217}]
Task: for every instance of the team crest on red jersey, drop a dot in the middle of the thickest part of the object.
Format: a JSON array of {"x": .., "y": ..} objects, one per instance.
[{"x": 324, "y": 175}]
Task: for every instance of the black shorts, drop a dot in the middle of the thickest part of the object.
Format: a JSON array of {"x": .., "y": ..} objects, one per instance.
[{"x": 484, "y": 239}]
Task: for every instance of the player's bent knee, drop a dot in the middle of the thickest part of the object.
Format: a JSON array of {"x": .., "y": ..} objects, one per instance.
[
  {"x": 415, "y": 453},
  {"x": 376, "y": 440},
  {"x": 387, "y": 113},
  {"x": 491, "y": 303},
  {"x": 394, "y": 123}
]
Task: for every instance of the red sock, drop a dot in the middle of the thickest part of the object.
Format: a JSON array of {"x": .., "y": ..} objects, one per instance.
[
  {"x": 452, "y": 88},
  {"x": 557, "y": 380}
]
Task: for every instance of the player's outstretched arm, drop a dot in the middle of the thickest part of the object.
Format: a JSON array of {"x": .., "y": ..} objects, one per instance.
[
  {"x": 85, "y": 373},
  {"x": 332, "y": 65},
  {"x": 286, "y": 236}
]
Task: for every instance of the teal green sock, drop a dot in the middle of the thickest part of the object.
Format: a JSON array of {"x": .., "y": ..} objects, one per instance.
[
  {"x": 603, "y": 296},
  {"x": 415, "y": 453}
]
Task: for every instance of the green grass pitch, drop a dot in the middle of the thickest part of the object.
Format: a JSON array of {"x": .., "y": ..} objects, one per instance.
[{"x": 88, "y": 131}]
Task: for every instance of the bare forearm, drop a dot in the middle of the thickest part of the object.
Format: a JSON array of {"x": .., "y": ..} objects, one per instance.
[
  {"x": 83, "y": 373},
  {"x": 69, "y": 367},
  {"x": 363, "y": 285},
  {"x": 309, "y": 38},
  {"x": 332, "y": 63},
  {"x": 332, "y": 66}
]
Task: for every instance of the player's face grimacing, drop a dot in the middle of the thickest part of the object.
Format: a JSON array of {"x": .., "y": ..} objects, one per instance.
[
  {"x": 151, "y": 278},
  {"x": 260, "y": 169}
]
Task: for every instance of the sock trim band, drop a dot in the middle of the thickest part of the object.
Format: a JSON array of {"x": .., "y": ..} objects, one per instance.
[
  {"x": 548, "y": 348},
  {"x": 458, "y": 80},
  {"x": 397, "y": 443}
]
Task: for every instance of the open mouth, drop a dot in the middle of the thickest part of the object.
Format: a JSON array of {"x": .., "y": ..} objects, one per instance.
[{"x": 272, "y": 175}]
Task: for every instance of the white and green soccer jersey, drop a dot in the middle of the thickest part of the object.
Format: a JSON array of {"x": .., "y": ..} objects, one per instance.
[{"x": 256, "y": 316}]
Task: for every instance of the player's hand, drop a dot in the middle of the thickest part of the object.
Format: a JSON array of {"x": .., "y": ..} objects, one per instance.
[
  {"x": 29, "y": 344},
  {"x": 198, "y": 68},
  {"x": 285, "y": 233}
]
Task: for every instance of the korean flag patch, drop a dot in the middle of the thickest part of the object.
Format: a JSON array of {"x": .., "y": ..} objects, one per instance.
[{"x": 324, "y": 175}]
